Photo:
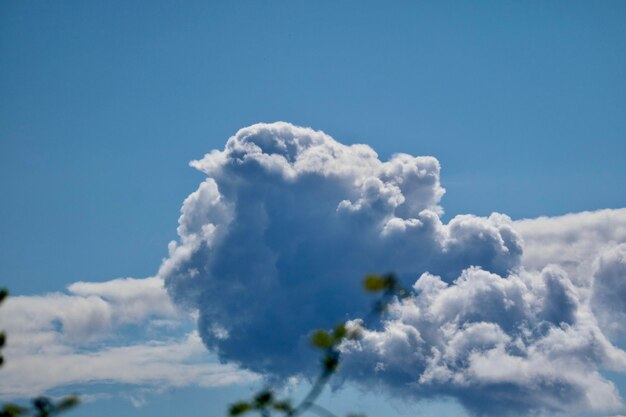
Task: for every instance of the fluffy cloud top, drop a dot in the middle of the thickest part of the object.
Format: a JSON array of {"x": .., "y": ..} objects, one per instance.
[
  {"x": 609, "y": 290},
  {"x": 572, "y": 241},
  {"x": 524, "y": 343},
  {"x": 274, "y": 242}
]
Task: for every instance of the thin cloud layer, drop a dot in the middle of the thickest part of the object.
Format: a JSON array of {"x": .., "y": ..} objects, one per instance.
[
  {"x": 274, "y": 242},
  {"x": 123, "y": 331}
]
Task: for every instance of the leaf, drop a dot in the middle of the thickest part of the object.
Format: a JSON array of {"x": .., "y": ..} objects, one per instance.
[
  {"x": 283, "y": 406},
  {"x": 67, "y": 403},
  {"x": 263, "y": 398},
  {"x": 330, "y": 362},
  {"x": 3, "y": 338},
  {"x": 239, "y": 408},
  {"x": 374, "y": 283},
  {"x": 13, "y": 410},
  {"x": 4, "y": 293},
  {"x": 322, "y": 339},
  {"x": 44, "y": 406},
  {"x": 340, "y": 332}
]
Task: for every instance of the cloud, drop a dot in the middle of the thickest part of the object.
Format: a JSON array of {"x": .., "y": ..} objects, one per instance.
[
  {"x": 572, "y": 241},
  {"x": 174, "y": 363},
  {"x": 520, "y": 344},
  {"x": 274, "y": 242},
  {"x": 507, "y": 316},
  {"x": 609, "y": 290},
  {"x": 63, "y": 339},
  {"x": 91, "y": 311}
]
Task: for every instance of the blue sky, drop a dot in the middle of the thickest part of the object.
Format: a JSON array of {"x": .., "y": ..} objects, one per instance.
[{"x": 103, "y": 105}]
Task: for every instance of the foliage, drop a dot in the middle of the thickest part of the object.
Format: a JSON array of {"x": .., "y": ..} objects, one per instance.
[
  {"x": 328, "y": 342},
  {"x": 264, "y": 402},
  {"x": 41, "y": 406}
]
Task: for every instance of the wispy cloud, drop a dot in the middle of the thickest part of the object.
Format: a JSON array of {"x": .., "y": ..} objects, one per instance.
[{"x": 67, "y": 339}]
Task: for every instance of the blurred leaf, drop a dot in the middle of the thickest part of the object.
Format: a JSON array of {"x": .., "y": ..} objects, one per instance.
[
  {"x": 374, "y": 283},
  {"x": 321, "y": 339},
  {"x": 43, "y": 405},
  {"x": 330, "y": 362},
  {"x": 11, "y": 410},
  {"x": 4, "y": 293},
  {"x": 283, "y": 406},
  {"x": 3, "y": 339},
  {"x": 239, "y": 408},
  {"x": 263, "y": 398},
  {"x": 67, "y": 403},
  {"x": 340, "y": 332}
]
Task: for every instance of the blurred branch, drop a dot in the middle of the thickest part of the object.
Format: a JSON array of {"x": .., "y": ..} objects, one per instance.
[{"x": 389, "y": 288}]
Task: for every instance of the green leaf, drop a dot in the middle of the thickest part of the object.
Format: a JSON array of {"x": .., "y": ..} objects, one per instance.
[
  {"x": 3, "y": 338},
  {"x": 263, "y": 398},
  {"x": 283, "y": 406},
  {"x": 340, "y": 332},
  {"x": 4, "y": 293},
  {"x": 322, "y": 339},
  {"x": 13, "y": 410},
  {"x": 67, "y": 403},
  {"x": 330, "y": 363},
  {"x": 374, "y": 283},
  {"x": 239, "y": 408}
]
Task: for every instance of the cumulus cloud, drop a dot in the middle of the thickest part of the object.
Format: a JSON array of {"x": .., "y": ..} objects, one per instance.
[
  {"x": 572, "y": 241},
  {"x": 506, "y": 316},
  {"x": 609, "y": 289},
  {"x": 519, "y": 344},
  {"x": 74, "y": 338},
  {"x": 274, "y": 242}
]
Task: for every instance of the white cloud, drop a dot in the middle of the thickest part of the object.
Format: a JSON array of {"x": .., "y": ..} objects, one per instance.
[
  {"x": 174, "y": 363},
  {"x": 67, "y": 339},
  {"x": 91, "y": 311},
  {"x": 508, "y": 316},
  {"x": 609, "y": 289},
  {"x": 572, "y": 241},
  {"x": 274, "y": 242},
  {"x": 496, "y": 344}
]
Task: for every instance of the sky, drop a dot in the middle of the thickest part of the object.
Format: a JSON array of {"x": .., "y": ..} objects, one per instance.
[{"x": 463, "y": 110}]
